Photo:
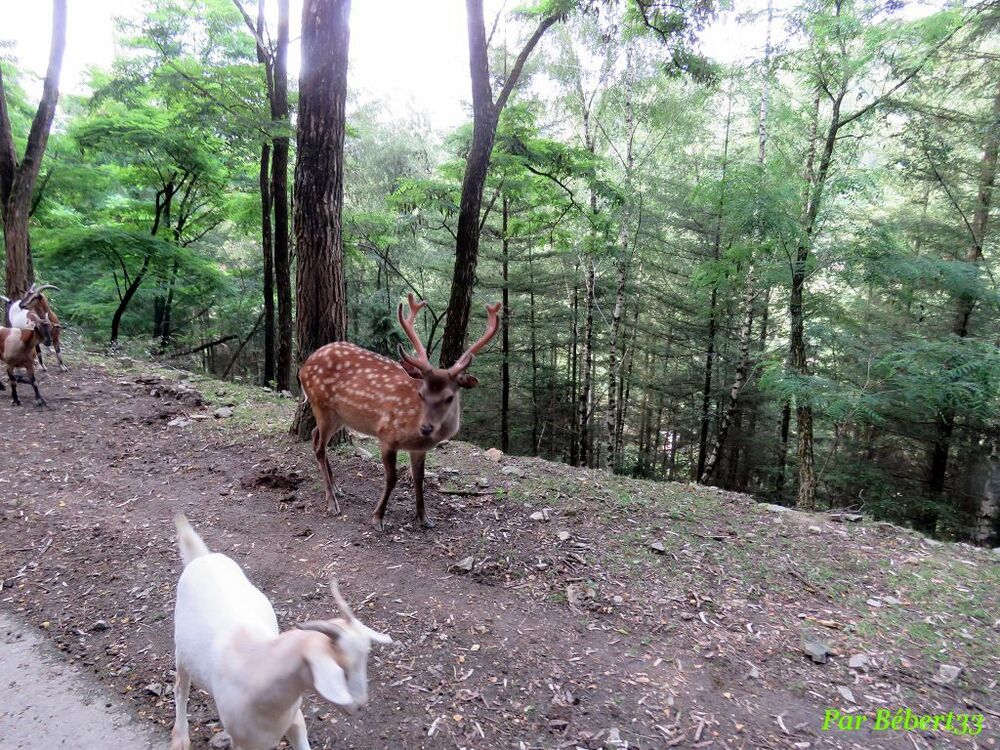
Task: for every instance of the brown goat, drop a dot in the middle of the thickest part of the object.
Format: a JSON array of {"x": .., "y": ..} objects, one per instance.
[
  {"x": 33, "y": 299},
  {"x": 17, "y": 349}
]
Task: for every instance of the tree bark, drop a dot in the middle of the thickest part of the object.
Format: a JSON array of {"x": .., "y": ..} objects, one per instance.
[
  {"x": 267, "y": 249},
  {"x": 588, "y": 366},
  {"x": 279, "y": 197},
  {"x": 945, "y": 423},
  {"x": 485, "y": 115},
  {"x": 319, "y": 184},
  {"x": 505, "y": 336},
  {"x": 17, "y": 180}
]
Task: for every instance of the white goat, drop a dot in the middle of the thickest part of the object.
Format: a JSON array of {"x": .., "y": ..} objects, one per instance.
[{"x": 227, "y": 640}]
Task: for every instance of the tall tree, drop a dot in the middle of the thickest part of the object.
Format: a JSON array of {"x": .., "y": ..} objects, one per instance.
[
  {"x": 17, "y": 179},
  {"x": 485, "y": 116},
  {"x": 319, "y": 183}
]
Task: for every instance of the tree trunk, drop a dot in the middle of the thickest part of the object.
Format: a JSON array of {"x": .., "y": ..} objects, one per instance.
[
  {"x": 743, "y": 361},
  {"x": 279, "y": 197},
  {"x": 505, "y": 336},
  {"x": 485, "y": 115},
  {"x": 319, "y": 183},
  {"x": 588, "y": 366},
  {"x": 966, "y": 303},
  {"x": 17, "y": 180},
  {"x": 267, "y": 249},
  {"x": 534, "y": 355},
  {"x": 573, "y": 376},
  {"x": 621, "y": 268}
]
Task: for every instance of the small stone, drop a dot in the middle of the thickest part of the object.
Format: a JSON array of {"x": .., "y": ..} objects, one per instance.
[
  {"x": 465, "y": 565},
  {"x": 875, "y": 603},
  {"x": 815, "y": 530},
  {"x": 617, "y": 599},
  {"x": 100, "y": 626},
  {"x": 846, "y": 517},
  {"x": 846, "y": 694},
  {"x": 540, "y": 515},
  {"x": 947, "y": 674},
  {"x": 754, "y": 673},
  {"x": 220, "y": 741},
  {"x": 615, "y": 740},
  {"x": 512, "y": 471},
  {"x": 286, "y": 394},
  {"x": 155, "y": 688},
  {"x": 494, "y": 454},
  {"x": 858, "y": 661},
  {"x": 891, "y": 600},
  {"x": 483, "y": 482},
  {"x": 179, "y": 422},
  {"x": 815, "y": 650},
  {"x": 363, "y": 453},
  {"x": 563, "y": 536},
  {"x": 223, "y": 412},
  {"x": 658, "y": 548}
]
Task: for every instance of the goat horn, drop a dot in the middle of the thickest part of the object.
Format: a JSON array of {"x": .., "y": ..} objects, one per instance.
[
  {"x": 6, "y": 300},
  {"x": 43, "y": 287},
  {"x": 331, "y": 630},
  {"x": 342, "y": 605}
]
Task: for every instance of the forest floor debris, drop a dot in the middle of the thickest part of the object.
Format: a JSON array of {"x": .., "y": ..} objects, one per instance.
[{"x": 655, "y": 615}]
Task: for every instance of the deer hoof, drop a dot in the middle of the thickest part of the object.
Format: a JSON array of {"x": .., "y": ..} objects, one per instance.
[
  {"x": 426, "y": 522},
  {"x": 377, "y": 522},
  {"x": 63, "y": 368},
  {"x": 40, "y": 402}
]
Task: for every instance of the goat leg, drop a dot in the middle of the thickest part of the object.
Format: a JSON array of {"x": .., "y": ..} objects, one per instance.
[
  {"x": 39, "y": 401},
  {"x": 38, "y": 352},
  {"x": 13, "y": 386},
  {"x": 179, "y": 737},
  {"x": 296, "y": 734}
]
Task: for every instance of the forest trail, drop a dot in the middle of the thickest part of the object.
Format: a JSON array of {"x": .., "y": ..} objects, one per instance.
[
  {"x": 663, "y": 615},
  {"x": 44, "y": 703}
]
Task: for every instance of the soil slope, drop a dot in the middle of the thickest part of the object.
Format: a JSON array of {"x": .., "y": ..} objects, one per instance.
[{"x": 598, "y": 611}]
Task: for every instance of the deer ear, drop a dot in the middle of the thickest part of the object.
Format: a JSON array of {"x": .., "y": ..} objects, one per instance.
[
  {"x": 465, "y": 380},
  {"x": 413, "y": 372}
]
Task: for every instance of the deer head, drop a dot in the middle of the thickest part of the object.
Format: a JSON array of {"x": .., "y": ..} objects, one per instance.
[{"x": 438, "y": 389}]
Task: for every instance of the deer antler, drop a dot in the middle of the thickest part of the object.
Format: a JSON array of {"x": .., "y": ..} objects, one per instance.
[
  {"x": 492, "y": 323},
  {"x": 420, "y": 361}
]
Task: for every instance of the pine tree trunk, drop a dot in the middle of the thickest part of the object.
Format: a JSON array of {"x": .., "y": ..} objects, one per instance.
[
  {"x": 319, "y": 184},
  {"x": 485, "y": 115},
  {"x": 279, "y": 198},
  {"x": 267, "y": 250},
  {"x": 588, "y": 366},
  {"x": 965, "y": 304},
  {"x": 505, "y": 335}
]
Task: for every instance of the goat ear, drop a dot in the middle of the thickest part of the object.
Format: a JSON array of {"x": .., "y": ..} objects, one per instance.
[
  {"x": 465, "y": 380},
  {"x": 328, "y": 679}
]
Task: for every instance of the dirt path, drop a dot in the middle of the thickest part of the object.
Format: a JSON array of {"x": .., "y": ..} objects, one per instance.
[
  {"x": 542, "y": 645},
  {"x": 44, "y": 703}
]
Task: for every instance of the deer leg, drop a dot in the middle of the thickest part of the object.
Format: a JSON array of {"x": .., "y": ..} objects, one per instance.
[
  {"x": 13, "y": 386},
  {"x": 38, "y": 353},
  {"x": 389, "y": 464},
  {"x": 321, "y": 434},
  {"x": 417, "y": 472}
]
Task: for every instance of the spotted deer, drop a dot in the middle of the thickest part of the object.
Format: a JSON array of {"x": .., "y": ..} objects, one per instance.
[{"x": 408, "y": 405}]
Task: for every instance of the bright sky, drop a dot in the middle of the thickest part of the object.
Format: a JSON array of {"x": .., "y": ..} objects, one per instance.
[{"x": 413, "y": 55}]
